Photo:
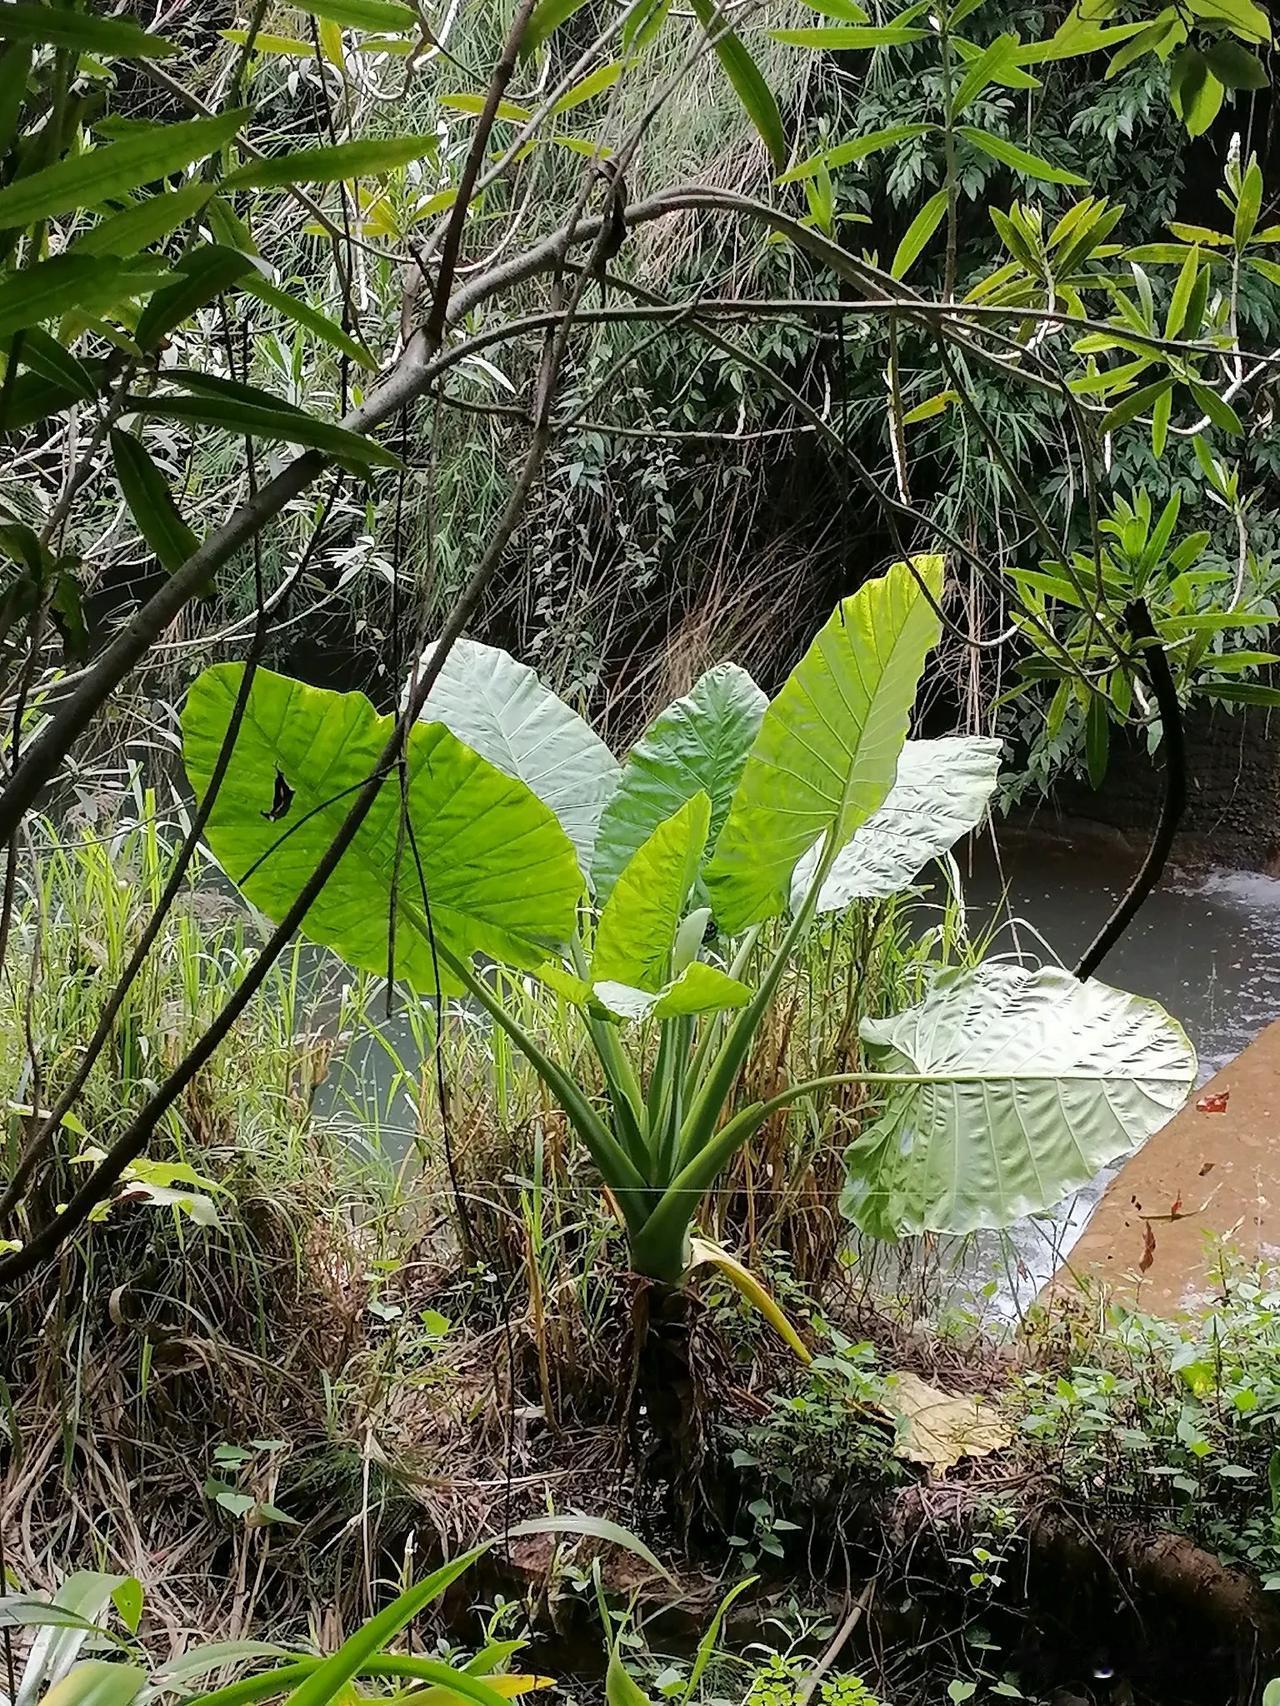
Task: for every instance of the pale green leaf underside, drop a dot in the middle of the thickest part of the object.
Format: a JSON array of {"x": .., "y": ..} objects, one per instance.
[
  {"x": 1057, "y": 1079},
  {"x": 940, "y": 793},
  {"x": 503, "y": 711},
  {"x": 501, "y": 876},
  {"x": 637, "y": 926},
  {"x": 700, "y": 988},
  {"x": 700, "y": 742},
  {"x": 827, "y": 751}
]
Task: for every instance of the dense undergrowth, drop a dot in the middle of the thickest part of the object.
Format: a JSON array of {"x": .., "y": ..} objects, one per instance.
[{"x": 289, "y": 1365}]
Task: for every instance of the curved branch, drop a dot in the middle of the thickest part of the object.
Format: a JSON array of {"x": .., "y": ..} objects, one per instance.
[{"x": 1172, "y": 806}]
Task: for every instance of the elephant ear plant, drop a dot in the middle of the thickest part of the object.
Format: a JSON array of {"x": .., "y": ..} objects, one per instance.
[{"x": 515, "y": 837}]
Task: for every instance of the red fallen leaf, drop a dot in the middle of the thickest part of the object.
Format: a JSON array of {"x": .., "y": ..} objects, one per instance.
[
  {"x": 1214, "y": 1103},
  {"x": 1176, "y": 1210},
  {"x": 1148, "y": 1249}
]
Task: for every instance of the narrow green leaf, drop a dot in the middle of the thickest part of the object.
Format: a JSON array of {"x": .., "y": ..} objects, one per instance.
[
  {"x": 56, "y": 286},
  {"x": 745, "y": 75},
  {"x": 642, "y": 26},
  {"x": 1080, "y": 32},
  {"x": 1249, "y": 205},
  {"x": 383, "y": 15},
  {"x": 105, "y": 173},
  {"x": 1097, "y": 738},
  {"x": 509, "y": 110},
  {"x": 922, "y": 227},
  {"x": 273, "y": 422},
  {"x": 848, "y": 38},
  {"x": 1177, "y": 315},
  {"x": 857, "y": 148},
  {"x": 620, "y": 1687},
  {"x": 1194, "y": 92},
  {"x": 146, "y": 491},
  {"x": 311, "y": 319},
  {"x": 547, "y": 16},
  {"x": 365, "y": 157},
  {"x": 44, "y": 355},
  {"x": 144, "y": 223},
  {"x": 1009, "y": 154},
  {"x": 288, "y": 47},
  {"x": 1217, "y": 408},
  {"x": 1135, "y": 404},
  {"x": 588, "y": 87},
  {"x": 1243, "y": 693},
  {"x": 115, "y": 37},
  {"x": 1242, "y": 16},
  {"x": 1002, "y": 52},
  {"x": 204, "y": 273},
  {"x": 1161, "y": 411}
]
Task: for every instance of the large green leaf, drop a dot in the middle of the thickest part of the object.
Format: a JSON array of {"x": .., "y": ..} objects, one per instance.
[
  {"x": 84, "y": 1596},
  {"x": 1039, "y": 1081},
  {"x": 699, "y": 742},
  {"x": 500, "y": 874},
  {"x": 97, "y": 1682},
  {"x": 827, "y": 751},
  {"x": 700, "y": 988},
  {"x": 87, "y": 180},
  {"x": 637, "y": 927},
  {"x": 501, "y": 709},
  {"x": 389, "y": 15},
  {"x": 939, "y": 794}
]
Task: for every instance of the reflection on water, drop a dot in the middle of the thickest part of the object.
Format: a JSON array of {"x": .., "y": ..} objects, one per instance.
[{"x": 1206, "y": 945}]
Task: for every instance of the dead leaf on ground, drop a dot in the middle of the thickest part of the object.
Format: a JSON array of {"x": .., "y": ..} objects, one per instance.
[
  {"x": 938, "y": 1429},
  {"x": 1215, "y": 1102}
]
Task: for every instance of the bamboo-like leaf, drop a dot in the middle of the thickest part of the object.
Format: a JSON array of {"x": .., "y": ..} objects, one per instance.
[
  {"x": 742, "y": 71},
  {"x": 847, "y": 38},
  {"x": 857, "y": 148},
  {"x": 269, "y": 420},
  {"x": 828, "y": 749},
  {"x": 204, "y": 272},
  {"x": 43, "y": 354},
  {"x": 151, "y": 504},
  {"x": 1018, "y": 159},
  {"x": 389, "y": 16},
  {"x": 365, "y": 157},
  {"x": 918, "y": 233},
  {"x": 500, "y": 874},
  {"x": 56, "y": 286},
  {"x": 1032, "y": 1081},
  {"x": 287, "y": 47},
  {"x": 87, "y": 180},
  {"x": 146, "y": 222},
  {"x": 547, "y": 17},
  {"x": 310, "y": 319},
  {"x": 115, "y": 37}
]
